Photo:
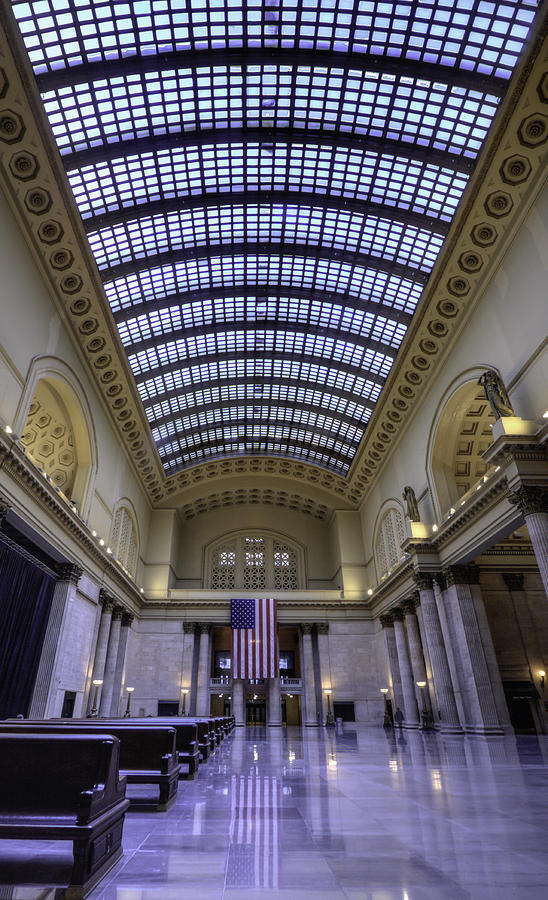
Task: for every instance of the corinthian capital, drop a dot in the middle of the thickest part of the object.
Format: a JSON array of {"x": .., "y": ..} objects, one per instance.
[{"x": 530, "y": 499}]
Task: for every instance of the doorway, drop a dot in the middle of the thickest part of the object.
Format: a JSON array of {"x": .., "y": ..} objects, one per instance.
[{"x": 255, "y": 709}]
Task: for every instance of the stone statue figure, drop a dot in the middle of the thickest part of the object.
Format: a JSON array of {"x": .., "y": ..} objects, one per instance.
[
  {"x": 495, "y": 393},
  {"x": 411, "y": 502}
]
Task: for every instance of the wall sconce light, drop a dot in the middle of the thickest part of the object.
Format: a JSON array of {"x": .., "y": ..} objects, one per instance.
[
  {"x": 387, "y": 721},
  {"x": 127, "y": 713},
  {"x": 541, "y": 673},
  {"x": 184, "y": 692},
  {"x": 97, "y": 682}
]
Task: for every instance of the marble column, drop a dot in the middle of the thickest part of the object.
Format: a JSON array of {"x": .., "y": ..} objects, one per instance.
[
  {"x": 274, "y": 705},
  {"x": 43, "y": 698},
  {"x": 126, "y": 622},
  {"x": 310, "y": 717},
  {"x": 107, "y": 603},
  {"x": 448, "y": 720},
  {"x": 490, "y": 657},
  {"x": 189, "y": 629},
  {"x": 110, "y": 662},
  {"x": 387, "y": 622},
  {"x": 411, "y": 708},
  {"x": 532, "y": 502},
  {"x": 204, "y": 667},
  {"x": 238, "y": 704},
  {"x": 418, "y": 666},
  {"x": 322, "y": 629},
  {"x": 482, "y": 717}
]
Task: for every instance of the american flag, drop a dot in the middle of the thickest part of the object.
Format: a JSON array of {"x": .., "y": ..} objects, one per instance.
[
  {"x": 253, "y": 852},
  {"x": 254, "y": 638}
]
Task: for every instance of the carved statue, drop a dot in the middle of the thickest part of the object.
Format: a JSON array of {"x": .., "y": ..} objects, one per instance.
[
  {"x": 411, "y": 502},
  {"x": 495, "y": 393}
]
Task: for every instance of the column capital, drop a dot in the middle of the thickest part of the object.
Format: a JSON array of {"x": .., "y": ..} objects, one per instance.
[
  {"x": 70, "y": 572},
  {"x": 410, "y": 604},
  {"x": 117, "y": 612},
  {"x": 204, "y": 627},
  {"x": 462, "y": 575},
  {"x": 398, "y": 614},
  {"x": 441, "y": 580},
  {"x": 106, "y": 600},
  {"x": 387, "y": 620},
  {"x": 322, "y": 627},
  {"x": 513, "y": 580},
  {"x": 530, "y": 499},
  {"x": 424, "y": 581},
  {"x": 189, "y": 627},
  {"x": 127, "y": 619},
  {"x": 306, "y": 627},
  {"x": 4, "y": 510}
]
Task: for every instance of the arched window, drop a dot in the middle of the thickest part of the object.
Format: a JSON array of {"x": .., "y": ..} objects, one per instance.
[
  {"x": 123, "y": 541},
  {"x": 390, "y": 536},
  {"x": 255, "y": 562}
]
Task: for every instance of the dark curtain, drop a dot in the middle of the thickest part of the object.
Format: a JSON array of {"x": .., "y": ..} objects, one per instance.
[{"x": 25, "y": 599}]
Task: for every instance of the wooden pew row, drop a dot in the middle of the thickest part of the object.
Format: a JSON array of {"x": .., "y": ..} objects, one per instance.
[
  {"x": 65, "y": 787},
  {"x": 148, "y": 753},
  {"x": 186, "y": 740}
]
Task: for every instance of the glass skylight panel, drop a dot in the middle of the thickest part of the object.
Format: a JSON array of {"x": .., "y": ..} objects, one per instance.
[
  {"x": 289, "y": 224},
  {"x": 468, "y": 34},
  {"x": 122, "y": 108},
  {"x": 323, "y": 275},
  {"x": 272, "y": 309}
]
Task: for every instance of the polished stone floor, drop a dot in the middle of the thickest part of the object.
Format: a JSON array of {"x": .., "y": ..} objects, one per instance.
[{"x": 320, "y": 815}]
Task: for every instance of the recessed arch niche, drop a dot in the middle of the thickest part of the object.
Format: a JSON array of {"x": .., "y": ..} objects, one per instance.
[
  {"x": 57, "y": 431},
  {"x": 461, "y": 433}
]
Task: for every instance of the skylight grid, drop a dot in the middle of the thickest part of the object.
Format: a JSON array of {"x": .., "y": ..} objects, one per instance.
[
  {"x": 212, "y": 395},
  {"x": 322, "y": 275},
  {"x": 271, "y": 310},
  {"x": 188, "y": 171},
  {"x": 235, "y": 223},
  {"x": 264, "y": 371},
  {"x": 264, "y": 414},
  {"x": 476, "y": 36},
  {"x": 440, "y": 116},
  {"x": 274, "y": 433},
  {"x": 252, "y": 448},
  {"x": 257, "y": 343}
]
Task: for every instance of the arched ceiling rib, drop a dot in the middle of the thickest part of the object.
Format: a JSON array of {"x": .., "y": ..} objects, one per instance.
[{"x": 266, "y": 186}]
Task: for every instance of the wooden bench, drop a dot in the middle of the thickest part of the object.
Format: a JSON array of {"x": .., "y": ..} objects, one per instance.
[
  {"x": 147, "y": 754},
  {"x": 186, "y": 740},
  {"x": 65, "y": 787}
]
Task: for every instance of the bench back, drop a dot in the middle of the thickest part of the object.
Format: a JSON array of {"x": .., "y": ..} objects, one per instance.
[
  {"x": 140, "y": 747},
  {"x": 45, "y": 774}
]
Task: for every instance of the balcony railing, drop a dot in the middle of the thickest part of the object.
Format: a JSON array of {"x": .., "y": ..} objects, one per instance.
[
  {"x": 221, "y": 680},
  {"x": 291, "y": 682}
]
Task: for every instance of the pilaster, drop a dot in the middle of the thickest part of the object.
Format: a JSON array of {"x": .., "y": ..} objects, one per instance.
[
  {"x": 310, "y": 718},
  {"x": 126, "y": 622},
  {"x": 55, "y": 640},
  {"x": 204, "y": 666}
]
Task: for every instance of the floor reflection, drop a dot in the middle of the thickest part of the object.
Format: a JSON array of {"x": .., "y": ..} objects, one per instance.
[{"x": 319, "y": 815}]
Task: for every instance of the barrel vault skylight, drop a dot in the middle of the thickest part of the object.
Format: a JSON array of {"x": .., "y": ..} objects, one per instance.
[{"x": 266, "y": 186}]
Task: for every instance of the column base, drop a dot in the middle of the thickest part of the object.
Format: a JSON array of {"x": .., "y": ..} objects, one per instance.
[
  {"x": 274, "y": 724},
  {"x": 449, "y": 729},
  {"x": 410, "y": 726},
  {"x": 310, "y": 724},
  {"x": 484, "y": 730}
]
